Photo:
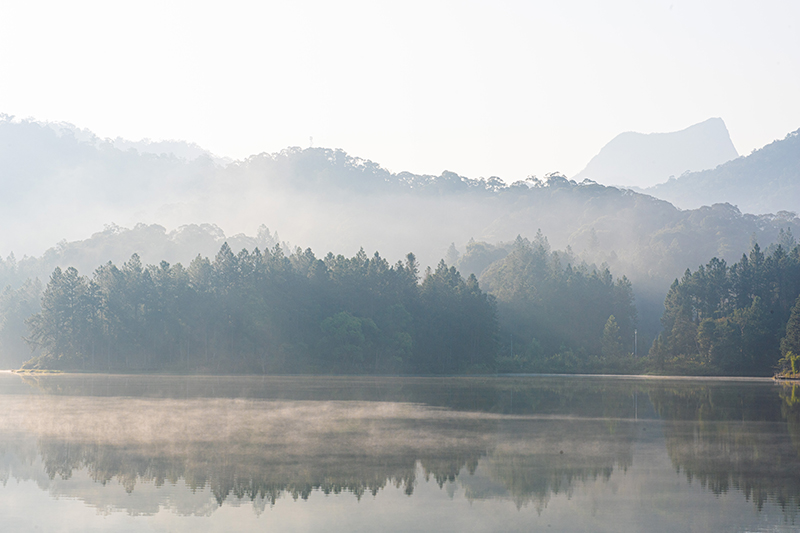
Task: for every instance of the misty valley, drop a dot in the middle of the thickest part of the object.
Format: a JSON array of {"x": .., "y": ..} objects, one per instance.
[
  {"x": 352, "y": 266},
  {"x": 441, "y": 351},
  {"x": 540, "y": 275}
]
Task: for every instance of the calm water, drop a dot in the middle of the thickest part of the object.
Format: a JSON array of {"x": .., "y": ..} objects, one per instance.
[{"x": 122, "y": 453}]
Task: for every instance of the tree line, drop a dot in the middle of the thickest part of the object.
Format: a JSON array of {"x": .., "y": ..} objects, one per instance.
[
  {"x": 265, "y": 312},
  {"x": 732, "y": 320}
]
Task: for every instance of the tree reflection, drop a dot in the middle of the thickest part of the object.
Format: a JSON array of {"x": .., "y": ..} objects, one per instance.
[
  {"x": 737, "y": 436},
  {"x": 523, "y": 440},
  {"x": 254, "y": 446}
]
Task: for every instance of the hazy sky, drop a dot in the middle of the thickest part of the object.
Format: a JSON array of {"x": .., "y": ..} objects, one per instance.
[{"x": 479, "y": 88}]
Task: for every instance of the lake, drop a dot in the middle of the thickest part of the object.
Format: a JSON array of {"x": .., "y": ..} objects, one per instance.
[{"x": 527, "y": 453}]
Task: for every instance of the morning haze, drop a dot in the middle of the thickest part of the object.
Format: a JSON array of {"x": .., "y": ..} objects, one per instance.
[{"x": 357, "y": 267}]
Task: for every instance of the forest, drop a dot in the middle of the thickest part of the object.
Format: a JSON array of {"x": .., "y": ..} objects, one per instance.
[
  {"x": 266, "y": 312},
  {"x": 741, "y": 319},
  {"x": 166, "y": 205},
  {"x": 545, "y": 310},
  {"x": 559, "y": 314},
  {"x": 534, "y": 310}
]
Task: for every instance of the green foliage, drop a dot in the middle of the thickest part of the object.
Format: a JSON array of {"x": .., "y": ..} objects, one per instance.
[
  {"x": 791, "y": 342},
  {"x": 16, "y": 305},
  {"x": 266, "y": 312},
  {"x": 479, "y": 255},
  {"x": 611, "y": 342},
  {"x": 456, "y": 324},
  {"x": 64, "y": 327},
  {"x": 556, "y": 313},
  {"x": 345, "y": 341},
  {"x": 787, "y": 365},
  {"x": 730, "y": 320},
  {"x": 650, "y": 240}
]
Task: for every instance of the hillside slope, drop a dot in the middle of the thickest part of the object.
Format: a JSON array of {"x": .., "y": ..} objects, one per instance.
[
  {"x": 766, "y": 181},
  {"x": 62, "y": 188}
]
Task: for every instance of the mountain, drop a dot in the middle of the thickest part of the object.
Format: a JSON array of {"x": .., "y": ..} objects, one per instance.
[
  {"x": 62, "y": 188},
  {"x": 181, "y": 149},
  {"x": 766, "y": 181},
  {"x": 637, "y": 159},
  {"x": 59, "y": 187},
  {"x": 62, "y": 183}
]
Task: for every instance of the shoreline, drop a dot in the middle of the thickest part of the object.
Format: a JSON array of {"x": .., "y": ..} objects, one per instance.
[{"x": 39, "y": 372}]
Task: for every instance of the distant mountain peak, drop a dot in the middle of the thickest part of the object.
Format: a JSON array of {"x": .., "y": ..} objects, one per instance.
[
  {"x": 766, "y": 181},
  {"x": 640, "y": 159}
]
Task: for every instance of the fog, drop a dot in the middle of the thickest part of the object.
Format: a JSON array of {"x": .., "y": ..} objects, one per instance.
[
  {"x": 454, "y": 266},
  {"x": 101, "y": 200},
  {"x": 65, "y": 186},
  {"x": 397, "y": 451},
  {"x": 253, "y": 439}
]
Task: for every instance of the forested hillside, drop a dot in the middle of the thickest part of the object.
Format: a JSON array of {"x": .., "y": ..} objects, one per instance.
[
  {"x": 165, "y": 207},
  {"x": 766, "y": 181},
  {"x": 152, "y": 243},
  {"x": 65, "y": 184},
  {"x": 329, "y": 200}
]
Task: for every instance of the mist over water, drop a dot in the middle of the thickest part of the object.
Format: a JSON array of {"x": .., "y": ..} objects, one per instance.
[
  {"x": 597, "y": 453},
  {"x": 319, "y": 266}
]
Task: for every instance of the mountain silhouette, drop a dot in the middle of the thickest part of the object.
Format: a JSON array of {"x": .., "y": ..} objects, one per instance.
[{"x": 642, "y": 160}]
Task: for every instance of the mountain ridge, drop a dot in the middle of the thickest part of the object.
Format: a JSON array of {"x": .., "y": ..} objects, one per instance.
[
  {"x": 765, "y": 181},
  {"x": 330, "y": 201},
  {"x": 641, "y": 159}
]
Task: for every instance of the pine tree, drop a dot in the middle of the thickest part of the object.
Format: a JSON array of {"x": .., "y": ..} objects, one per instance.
[
  {"x": 451, "y": 258},
  {"x": 611, "y": 343}
]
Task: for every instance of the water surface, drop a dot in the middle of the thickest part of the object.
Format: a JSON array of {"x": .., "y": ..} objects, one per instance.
[{"x": 534, "y": 453}]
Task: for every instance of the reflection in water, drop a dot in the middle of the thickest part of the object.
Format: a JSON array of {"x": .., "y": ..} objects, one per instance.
[
  {"x": 790, "y": 409},
  {"x": 194, "y": 444},
  {"x": 262, "y": 449},
  {"x": 733, "y": 436}
]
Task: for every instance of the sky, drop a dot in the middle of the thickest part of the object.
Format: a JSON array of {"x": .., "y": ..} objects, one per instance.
[{"x": 506, "y": 89}]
